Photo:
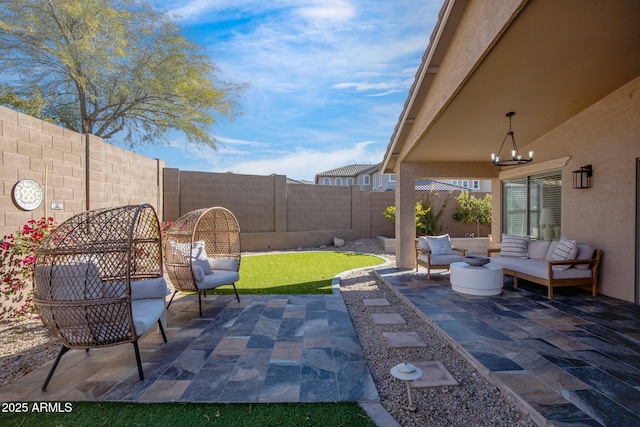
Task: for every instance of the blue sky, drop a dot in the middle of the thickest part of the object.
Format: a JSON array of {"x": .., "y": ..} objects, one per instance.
[{"x": 327, "y": 80}]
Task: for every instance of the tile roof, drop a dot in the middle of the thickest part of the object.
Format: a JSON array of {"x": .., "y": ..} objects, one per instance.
[
  {"x": 431, "y": 185},
  {"x": 350, "y": 170}
]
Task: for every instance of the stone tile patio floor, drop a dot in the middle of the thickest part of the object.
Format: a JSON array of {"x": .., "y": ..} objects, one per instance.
[
  {"x": 574, "y": 360},
  {"x": 275, "y": 348}
]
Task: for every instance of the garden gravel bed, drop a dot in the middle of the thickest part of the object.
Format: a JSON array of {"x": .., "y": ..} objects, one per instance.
[{"x": 475, "y": 401}]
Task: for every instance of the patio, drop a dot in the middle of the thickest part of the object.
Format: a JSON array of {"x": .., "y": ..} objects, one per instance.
[
  {"x": 573, "y": 360},
  {"x": 274, "y": 348}
]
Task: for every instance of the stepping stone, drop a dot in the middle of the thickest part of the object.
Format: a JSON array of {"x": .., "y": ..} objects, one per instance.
[
  {"x": 434, "y": 374},
  {"x": 403, "y": 339},
  {"x": 387, "y": 318},
  {"x": 374, "y": 302}
]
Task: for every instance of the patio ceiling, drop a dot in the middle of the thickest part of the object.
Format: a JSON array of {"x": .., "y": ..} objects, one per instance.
[{"x": 555, "y": 59}]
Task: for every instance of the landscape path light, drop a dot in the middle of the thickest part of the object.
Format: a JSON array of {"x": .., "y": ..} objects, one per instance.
[{"x": 407, "y": 372}]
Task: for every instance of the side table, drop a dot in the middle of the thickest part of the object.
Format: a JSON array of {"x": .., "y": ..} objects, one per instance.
[{"x": 484, "y": 281}]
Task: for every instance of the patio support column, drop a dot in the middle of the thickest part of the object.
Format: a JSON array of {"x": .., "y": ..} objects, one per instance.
[{"x": 405, "y": 215}]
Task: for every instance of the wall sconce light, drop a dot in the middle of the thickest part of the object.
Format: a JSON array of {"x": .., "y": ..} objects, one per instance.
[
  {"x": 582, "y": 177},
  {"x": 516, "y": 157}
]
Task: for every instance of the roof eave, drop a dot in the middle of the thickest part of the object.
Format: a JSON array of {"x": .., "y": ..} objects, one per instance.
[{"x": 447, "y": 20}]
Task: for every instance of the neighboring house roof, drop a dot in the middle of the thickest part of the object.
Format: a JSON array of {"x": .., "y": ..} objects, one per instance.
[
  {"x": 298, "y": 181},
  {"x": 431, "y": 185},
  {"x": 349, "y": 170}
]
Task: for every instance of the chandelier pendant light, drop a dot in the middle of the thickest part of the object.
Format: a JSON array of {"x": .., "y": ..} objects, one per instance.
[{"x": 516, "y": 157}]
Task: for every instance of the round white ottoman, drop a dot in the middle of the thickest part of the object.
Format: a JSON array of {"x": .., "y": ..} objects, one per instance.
[{"x": 470, "y": 280}]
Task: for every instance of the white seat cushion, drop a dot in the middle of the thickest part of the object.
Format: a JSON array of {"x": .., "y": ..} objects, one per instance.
[
  {"x": 440, "y": 259},
  {"x": 218, "y": 278},
  {"x": 146, "y": 313}
]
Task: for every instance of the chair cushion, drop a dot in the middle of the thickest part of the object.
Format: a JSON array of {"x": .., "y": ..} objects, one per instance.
[
  {"x": 514, "y": 246},
  {"x": 146, "y": 313},
  {"x": 198, "y": 273},
  {"x": 440, "y": 245},
  {"x": 218, "y": 278},
  {"x": 199, "y": 257},
  {"x": 230, "y": 264},
  {"x": 445, "y": 259},
  {"x": 423, "y": 243},
  {"x": 149, "y": 288},
  {"x": 71, "y": 282}
]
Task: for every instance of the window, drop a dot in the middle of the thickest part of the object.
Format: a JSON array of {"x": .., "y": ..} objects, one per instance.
[
  {"x": 475, "y": 184},
  {"x": 326, "y": 181},
  {"x": 392, "y": 177},
  {"x": 465, "y": 183},
  {"x": 338, "y": 181},
  {"x": 523, "y": 200},
  {"x": 349, "y": 181},
  {"x": 367, "y": 179},
  {"x": 454, "y": 182}
]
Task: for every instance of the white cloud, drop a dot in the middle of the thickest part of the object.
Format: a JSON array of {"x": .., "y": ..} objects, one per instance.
[
  {"x": 303, "y": 163},
  {"x": 327, "y": 11}
]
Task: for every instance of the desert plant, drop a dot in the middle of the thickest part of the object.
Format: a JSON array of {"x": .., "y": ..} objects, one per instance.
[
  {"x": 17, "y": 258},
  {"x": 428, "y": 222},
  {"x": 473, "y": 210}
]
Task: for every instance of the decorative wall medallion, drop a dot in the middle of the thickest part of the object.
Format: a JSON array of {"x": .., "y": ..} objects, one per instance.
[{"x": 27, "y": 194}]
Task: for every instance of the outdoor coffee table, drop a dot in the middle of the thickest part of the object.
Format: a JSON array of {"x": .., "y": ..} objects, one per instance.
[{"x": 471, "y": 280}]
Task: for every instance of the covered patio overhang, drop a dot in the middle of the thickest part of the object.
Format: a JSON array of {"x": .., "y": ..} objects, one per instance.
[{"x": 546, "y": 60}]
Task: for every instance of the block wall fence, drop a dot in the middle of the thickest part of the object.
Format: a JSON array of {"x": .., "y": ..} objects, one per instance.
[
  {"x": 76, "y": 172},
  {"x": 80, "y": 172}
]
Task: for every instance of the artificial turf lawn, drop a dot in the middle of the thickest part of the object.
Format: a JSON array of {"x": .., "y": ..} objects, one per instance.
[
  {"x": 83, "y": 414},
  {"x": 295, "y": 272}
]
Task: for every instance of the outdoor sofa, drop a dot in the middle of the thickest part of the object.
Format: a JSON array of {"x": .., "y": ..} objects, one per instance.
[{"x": 553, "y": 264}]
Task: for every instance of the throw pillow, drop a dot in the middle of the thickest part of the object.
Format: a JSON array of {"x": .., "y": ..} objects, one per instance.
[
  {"x": 584, "y": 252},
  {"x": 440, "y": 245},
  {"x": 423, "y": 243},
  {"x": 565, "y": 250},
  {"x": 199, "y": 257},
  {"x": 514, "y": 246},
  {"x": 198, "y": 273}
]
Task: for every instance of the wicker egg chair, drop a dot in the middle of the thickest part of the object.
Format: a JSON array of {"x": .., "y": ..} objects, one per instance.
[
  {"x": 203, "y": 252},
  {"x": 98, "y": 280}
]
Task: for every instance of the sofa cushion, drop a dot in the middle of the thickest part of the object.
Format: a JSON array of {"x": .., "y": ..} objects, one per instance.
[
  {"x": 218, "y": 278},
  {"x": 514, "y": 246},
  {"x": 537, "y": 249},
  {"x": 538, "y": 268},
  {"x": 565, "y": 249},
  {"x": 584, "y": 252},
  {"x": 423, "y": 243},
  {"x": 440, "y": 245}
]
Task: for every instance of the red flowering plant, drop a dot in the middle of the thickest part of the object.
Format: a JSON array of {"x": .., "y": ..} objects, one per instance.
[{"x": 17, "y": 259}]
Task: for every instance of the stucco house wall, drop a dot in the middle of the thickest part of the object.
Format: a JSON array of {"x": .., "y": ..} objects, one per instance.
[{"x": 607, "y": 136}]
